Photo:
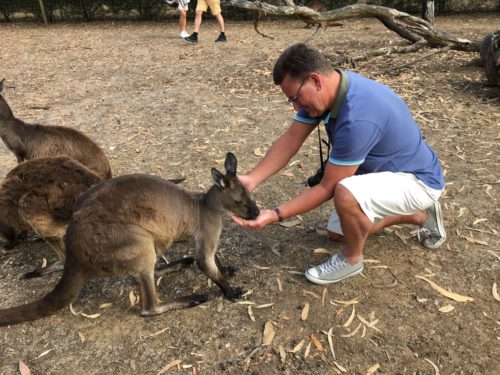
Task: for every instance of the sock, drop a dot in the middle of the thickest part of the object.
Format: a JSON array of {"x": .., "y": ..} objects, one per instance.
[
  {"x": 194, "y": 35},
  {"x": 222, "y": 33}
]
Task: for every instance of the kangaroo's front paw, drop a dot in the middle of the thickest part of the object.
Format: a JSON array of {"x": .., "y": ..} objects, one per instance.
[{"x": 233, "y": 293}]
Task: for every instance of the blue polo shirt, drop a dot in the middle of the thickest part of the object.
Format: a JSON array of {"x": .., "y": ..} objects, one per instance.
[{"x": 376, "y": 130}]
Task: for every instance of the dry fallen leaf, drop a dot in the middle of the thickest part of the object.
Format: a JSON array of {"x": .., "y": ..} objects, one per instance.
[
  {"x": 258, "y": 152},
  {"x": 156, "y": 333},
  {"x": 91, "y": 316},
  {"x": 353, "y": 332},
  {"x": 446, "y": 309},
  {"x": 351, "y": 302},
  {"x": 330, "y": 342},
  {"x": 297, "y": 347},
  {"x": 23, "y": 369},
  {"x": 317, "y": 343},
  {"x": 436, "y": 369},
  {"x": 323, "y": 296},
  {"x": 373, "y": 369},
  {"x": 312, "y": 294},
  {"x": 250, "y": 314},
  {"x": 475, "y": 240},
  {"x": 368, "y": 324},
  {"x": 446, "y": 293},
  {"x": 264, "y": 305},
  {"x": 339, "y": 367},
  {"x": 268, "y": 333},
  {"x": 308, "y": 350},
  {"x": 175, "y": 363},
  {"x": 495, "y": 292},
  {"x": 305, "y": 311},
  {"x": 286, "y": 173},
  {"x": 321, "y": 250},
  {"x": 351, "y": 317},
  {"x": 282, "y": 353},
  {"x": 290, "y": 223},
  {"x": 280, "y": 285},
  {"x": 82, "y": 337},
  {"x": 73, "y": 310},
  {"x": 44, "y": 353},
  {"x": 133, "y": 298}
]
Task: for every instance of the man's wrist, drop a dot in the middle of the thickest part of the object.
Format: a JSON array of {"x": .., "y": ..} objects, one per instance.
[{"x": 278, "y": 214}]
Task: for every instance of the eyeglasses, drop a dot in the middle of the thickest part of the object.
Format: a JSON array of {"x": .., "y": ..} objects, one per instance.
[{"x": 294, "y": 98}]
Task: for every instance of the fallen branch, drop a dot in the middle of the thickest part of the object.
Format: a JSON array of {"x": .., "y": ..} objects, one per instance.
[
  {"x": 440, "y": 50},
  {"x": 408, "y": 27}
]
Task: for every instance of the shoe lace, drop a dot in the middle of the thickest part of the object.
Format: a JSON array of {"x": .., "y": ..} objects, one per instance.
[
  {"x": 334, "y": 263},
  {"x": 423, "y": 233}
]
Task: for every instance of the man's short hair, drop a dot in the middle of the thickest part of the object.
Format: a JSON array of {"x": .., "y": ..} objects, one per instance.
[{"x": 299, "y": 60}]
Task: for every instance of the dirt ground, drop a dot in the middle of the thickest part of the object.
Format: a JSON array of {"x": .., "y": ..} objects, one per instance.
[{"x": 159, "y": 105}]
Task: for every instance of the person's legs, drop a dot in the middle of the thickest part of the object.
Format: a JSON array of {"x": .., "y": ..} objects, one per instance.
[
  {"x": 364, "y": 205},
  {"x": 220, "y": 21},
  {"x": 417, "y": 219},
  {"x": 197, "y": 20},
  {"x": 183, "y": 21},
  {"x": 193, "y": 38}
]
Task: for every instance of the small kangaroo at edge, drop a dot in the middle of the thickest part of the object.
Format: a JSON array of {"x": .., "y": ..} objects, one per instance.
[{"x": 33, "y": 141}]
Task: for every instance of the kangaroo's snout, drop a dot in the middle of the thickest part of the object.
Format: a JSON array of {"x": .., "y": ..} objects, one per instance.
[{"x": 253, "y": 212}]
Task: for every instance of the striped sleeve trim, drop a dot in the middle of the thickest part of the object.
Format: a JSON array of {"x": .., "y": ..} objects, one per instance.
[
  {"x": 344, "y": 162},
  {"x": 306, "y": 120}
]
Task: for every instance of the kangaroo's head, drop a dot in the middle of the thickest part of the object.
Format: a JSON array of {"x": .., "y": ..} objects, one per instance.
[
  {"x": 5, "y": 111},
  {"x": 234, "y": 197}
]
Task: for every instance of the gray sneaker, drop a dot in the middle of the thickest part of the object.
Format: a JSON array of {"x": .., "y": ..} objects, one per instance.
[
  {"x": 431, "y": 234},
  {"x": 335, "y": 269}
]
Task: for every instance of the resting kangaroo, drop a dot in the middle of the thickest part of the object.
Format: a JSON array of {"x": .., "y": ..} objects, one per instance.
[
  {"x": 28, "y": 141},
  {"x": 120, "y": 226},
  {"x": 40, "y": 194}
]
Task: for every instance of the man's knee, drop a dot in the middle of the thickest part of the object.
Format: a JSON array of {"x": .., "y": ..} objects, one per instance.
[{"x": 343, "y": 199}]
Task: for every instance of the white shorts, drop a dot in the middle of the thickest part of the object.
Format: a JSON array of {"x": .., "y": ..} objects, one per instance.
[
  {"x": 183, "y": 7},
  {"x": 386, "y": 194}
]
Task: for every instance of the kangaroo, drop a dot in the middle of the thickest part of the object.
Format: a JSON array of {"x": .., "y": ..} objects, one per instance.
[
  {"x": 490, "y": 57},
  {"x": 35, "y": 141},
  {"x": 120, "y": 225},
  {"x": 40, "y": 194}
]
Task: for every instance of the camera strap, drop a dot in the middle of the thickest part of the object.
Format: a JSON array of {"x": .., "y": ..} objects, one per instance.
[{"x": 334, "y": 113}]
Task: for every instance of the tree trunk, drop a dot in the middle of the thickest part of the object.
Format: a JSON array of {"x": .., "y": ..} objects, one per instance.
[{"x": 428, "y": 11}]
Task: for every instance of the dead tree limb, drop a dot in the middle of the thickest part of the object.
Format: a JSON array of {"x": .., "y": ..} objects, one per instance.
[
  {"x": 256, "y": 26},
  {"x": 407, "y": 26},
  {"x": 434, "y": 52}
]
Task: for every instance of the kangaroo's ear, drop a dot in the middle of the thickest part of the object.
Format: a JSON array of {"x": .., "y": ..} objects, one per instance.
[
  {"x": 230, "y": 164},
  {"x": 1, "y": 84},
  {"x": 218, "y": 178}
]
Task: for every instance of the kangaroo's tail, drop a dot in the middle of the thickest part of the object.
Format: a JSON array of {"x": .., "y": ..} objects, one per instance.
[{"x": 65, "y": 291}]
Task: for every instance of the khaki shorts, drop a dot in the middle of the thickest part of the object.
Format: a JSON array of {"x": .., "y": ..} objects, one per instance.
[
  {"x": 214, "y": 5},
  {"x": 386, "y": 194}
]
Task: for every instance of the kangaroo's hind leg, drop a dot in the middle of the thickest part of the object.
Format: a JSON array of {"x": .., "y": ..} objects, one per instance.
[
  {"x": 52, "y": 231},
  {"x": 142, "y": 267}
]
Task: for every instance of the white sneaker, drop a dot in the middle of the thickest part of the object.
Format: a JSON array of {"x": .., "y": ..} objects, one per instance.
[
  {"x": 184, "y": 34},
  {"x": 432, "y": 233},
  {"x": 335, "y": 269}
]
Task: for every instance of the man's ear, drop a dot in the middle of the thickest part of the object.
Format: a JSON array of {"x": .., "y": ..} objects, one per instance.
[{"x": 316, "y": 80}]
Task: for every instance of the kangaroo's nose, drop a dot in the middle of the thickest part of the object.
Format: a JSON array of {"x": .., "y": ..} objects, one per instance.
[{"x": 255, "y": 212}]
